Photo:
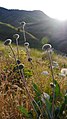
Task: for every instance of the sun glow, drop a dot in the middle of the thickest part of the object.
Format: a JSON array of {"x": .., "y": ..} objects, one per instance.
[{"x": 54, "y": 8}]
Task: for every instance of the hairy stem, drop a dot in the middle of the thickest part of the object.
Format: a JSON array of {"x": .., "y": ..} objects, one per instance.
[
  {"x": 50, "y": 60},
  {"x": 24, "y": 33},
  {"x": 12, "y": 52},
  {"x": 27, "y": 90},
  {"x": 17, "y": 48}
]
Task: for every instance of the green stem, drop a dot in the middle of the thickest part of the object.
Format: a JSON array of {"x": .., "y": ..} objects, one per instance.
[
  {"x": 30, "y": 97},
  {"x": 24, "y": 33},
  {"x": 17, "y": 48},
  {"x": 12, "y": 52},
  {"x": 50, "y": 60}
]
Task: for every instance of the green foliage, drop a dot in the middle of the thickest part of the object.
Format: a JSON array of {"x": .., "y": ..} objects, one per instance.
[
  {"x": 42, "y": 106},
  {"x": 44, "y": 40},
  {"x": 24, "y": 111},
  {"x": 37, "y": 90},
  {"x": 58, "y": 109},
  {"x": 27, "y": 73},
  {"x": 48, "y": 108},
  {"x": 57, "y": 89}
]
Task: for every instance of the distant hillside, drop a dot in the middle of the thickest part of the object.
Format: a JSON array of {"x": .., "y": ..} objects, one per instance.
[
  {"x": 7, "y": 31},
  {"x": 38, "y": 24}
]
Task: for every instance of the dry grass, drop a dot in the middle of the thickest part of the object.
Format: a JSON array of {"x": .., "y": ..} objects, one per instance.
[{"x": 12, "y": 91}]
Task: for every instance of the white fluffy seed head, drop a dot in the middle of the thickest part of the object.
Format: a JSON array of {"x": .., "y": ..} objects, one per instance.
[
  {"x": 64, "y": 71},
  {"x": 46, "y": 47},
  {"x": 16, "y": 36},
  {"x": 23, "y": 23},
  {"x": 62, "y": 75},
  {"x": 52, "y": 85},
  {"x": 46, "y": 96},
  {"x": 7, "y": 42},
  {"x": 26, "y": 44}
]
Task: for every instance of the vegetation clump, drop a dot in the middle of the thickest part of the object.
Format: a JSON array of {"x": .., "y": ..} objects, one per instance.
[{"x": 31, "y": 87}]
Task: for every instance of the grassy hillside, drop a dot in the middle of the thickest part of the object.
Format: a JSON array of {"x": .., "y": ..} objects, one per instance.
[
  {"x": 7, "y": 31},
  {"x": 12, "y": 90},
  {"x": 38, "y": 24}
]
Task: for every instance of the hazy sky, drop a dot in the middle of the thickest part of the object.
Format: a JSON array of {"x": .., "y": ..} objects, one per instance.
[{"x": 53, "y": 8}]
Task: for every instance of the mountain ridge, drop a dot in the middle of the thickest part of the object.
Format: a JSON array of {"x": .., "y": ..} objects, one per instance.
[{"x": 38, "y": 24}]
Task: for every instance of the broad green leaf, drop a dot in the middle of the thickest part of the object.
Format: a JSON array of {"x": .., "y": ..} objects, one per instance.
[
  {"x": 62, "y": 107},
  {"x": 65, "y": 98},
  {"x": 36, "y": 89},
  {"x": 57, "y": 89},
  {"x": 48, "y": 107}
]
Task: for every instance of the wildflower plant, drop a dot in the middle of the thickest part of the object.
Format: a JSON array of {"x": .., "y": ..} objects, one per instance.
[
  {"x": 44, "y": 105},
  {"x": 16, "y": 36},
  {"x": 47, "y": 47},
  {"x": 26, "y": 44},
  {"x": 8, "y": 43}
]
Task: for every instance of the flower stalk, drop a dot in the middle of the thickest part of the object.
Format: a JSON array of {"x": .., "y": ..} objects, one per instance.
[
  {"x": 12, "y": 52},
  {"x": 47, "y": 47},
  {"x": 16, "y": 36},
  {"x": 50, "y": 60},
  {"x": 23, "y": 28},
  {"x": 27, "y": 90},
  {"x": 8, "y": 43}
]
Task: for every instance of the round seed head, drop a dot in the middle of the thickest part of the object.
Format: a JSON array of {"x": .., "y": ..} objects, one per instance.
[
  {"x": 21, "y": 66},
  {"x": 29, "y": 59},
  {"x": 18, "y": 61},
  {"x": 52, "y": 85},
  {"x": 16, "y": 36},
  {"x": 26, "y": 44},
  {"x": 62, "y": 75},
  {"x": 23, "y": 23},
  {"x": 46, "y": 47},
  {"x": 7, "y": 42}
]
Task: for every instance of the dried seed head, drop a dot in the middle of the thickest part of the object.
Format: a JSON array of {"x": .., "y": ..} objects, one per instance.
[
  {"x": 23, "y": 23},
  {"x": 62, "y": 75},
  {"x": 21, "y": 66},
  {"x": 26, "y": 44},
  {"x": 16, "y": 36},
  {"x": 64, "y": 71},
  {"x": 18, "y": 61},
  {"x": 7, "y": 42},
  {"x": 46, "y": 47},
  {"x": 29, "y": 59},
  {"x": 52, "y": 85}
]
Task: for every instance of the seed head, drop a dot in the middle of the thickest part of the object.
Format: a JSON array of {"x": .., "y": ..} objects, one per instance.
[
  {"x": 29, "y": 59},
  {"x": 62, "y": 75},
  {"x": 64, "y": 71},
  {"x": 21, "y": 66},
  {"x": 16, "y": 36},
  {"x": 26, "y": 44},
  {"x": 7, "y": 42},
  {"x": 52, "y": 85},
  {"x": 18, "y": 61},
  {"x": 44, "y": 97},
  {"x": 23, "y": 23},
  {"x": 46, "y": 47}
]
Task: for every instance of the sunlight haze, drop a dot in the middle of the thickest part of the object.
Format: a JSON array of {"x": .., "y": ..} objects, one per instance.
[{"x": 53, "y": 8}]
